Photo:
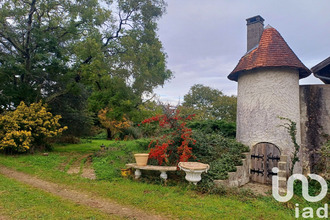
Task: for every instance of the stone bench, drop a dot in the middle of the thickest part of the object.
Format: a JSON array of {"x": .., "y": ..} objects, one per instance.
[{"x": 162, "y": 169}]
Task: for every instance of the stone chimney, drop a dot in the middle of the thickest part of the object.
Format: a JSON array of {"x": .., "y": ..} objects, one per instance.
[{"x": 255, "y": 27}]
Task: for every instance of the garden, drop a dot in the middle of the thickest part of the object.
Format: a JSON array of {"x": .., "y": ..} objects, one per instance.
[
  {"x": 77, "y": 101},
  {"x": 177, "y": 138}
]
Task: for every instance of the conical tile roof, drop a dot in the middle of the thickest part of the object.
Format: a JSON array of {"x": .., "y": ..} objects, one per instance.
[{"x": 272, "y": 51}]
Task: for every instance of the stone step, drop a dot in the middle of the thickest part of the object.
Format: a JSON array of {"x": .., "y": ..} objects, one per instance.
[
  {"x": 282, "y": 191},
  {"x": 281, "y": 182},
  {"x": 244, "y": 162},
  {"x": 282, "y": 173},
  {"x": 247, "y": 154},
  {"x": 221, "y": 182},
  {"x": 284, "y": 158},
  {"x": 232, "y": 176},
  {"x": 282, "y": 165},
  {"x": 239, "y": 177}
]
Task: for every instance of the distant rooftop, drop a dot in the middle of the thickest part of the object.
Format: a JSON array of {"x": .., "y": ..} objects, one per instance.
[
  {"x": 322, "y": 71},
  {"x": 272, "y": 51}
]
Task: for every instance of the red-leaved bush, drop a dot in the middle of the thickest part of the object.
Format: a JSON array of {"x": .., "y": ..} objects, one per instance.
[{"x": 173, "y": 146}]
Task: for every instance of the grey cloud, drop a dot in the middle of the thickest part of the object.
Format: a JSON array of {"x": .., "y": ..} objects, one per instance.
[{"x": 205, "y": 39}]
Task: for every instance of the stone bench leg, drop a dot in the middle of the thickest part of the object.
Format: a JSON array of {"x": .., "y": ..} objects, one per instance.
[
  {"x": 163, "y": 175},
  {"x": 137, "y": 173}
]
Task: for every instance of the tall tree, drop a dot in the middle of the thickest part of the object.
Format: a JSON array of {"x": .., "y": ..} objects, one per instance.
[
  {"x": 200, "y": 96},
  {"x": 35, "y": 42},
  {"x": 62, "y": 51},
  {"x": 209, "y": 103}
]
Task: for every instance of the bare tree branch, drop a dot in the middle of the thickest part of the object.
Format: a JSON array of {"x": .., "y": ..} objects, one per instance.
[
  {"x": 7, "y": 47},
  {"x": 13, "y": 43},
  {"x": 29, "y": 24},
  {"x": 68, "y": 32},
  {"x": 116, "y": 35},
  {"x": 120, "y": 26}
]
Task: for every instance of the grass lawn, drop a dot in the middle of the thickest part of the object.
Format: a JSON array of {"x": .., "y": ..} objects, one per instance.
[
  {"x": 20, "y": 201},
  {"x": 172, "y": 201}
]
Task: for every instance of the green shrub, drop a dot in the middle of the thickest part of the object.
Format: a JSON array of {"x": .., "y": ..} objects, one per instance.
[
  {"x": 100, "y": 136},
  {"x": 131, "y": 133},
  {"x": 221, "y": 153},
  {"x": 143, "y": 144},
  {"x": 150, "y": 130},
  {"x": 314, "y": 187},
  {"x": 68, "y": 139},
  {"x": 213, "y": 146},
  {"x": 227, "y": 129}
]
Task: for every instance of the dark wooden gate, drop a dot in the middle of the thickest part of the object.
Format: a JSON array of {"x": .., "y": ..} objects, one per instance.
[{"x": 264, "y": 157}]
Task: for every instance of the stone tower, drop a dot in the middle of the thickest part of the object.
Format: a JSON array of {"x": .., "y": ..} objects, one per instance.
[{"x": 268, "y": 87}]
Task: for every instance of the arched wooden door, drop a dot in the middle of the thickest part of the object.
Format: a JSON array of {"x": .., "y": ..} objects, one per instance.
[{"x": 264, "y": 157}]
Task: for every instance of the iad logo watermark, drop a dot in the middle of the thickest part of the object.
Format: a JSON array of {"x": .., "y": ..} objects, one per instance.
[{"x": 307, "y": 212}]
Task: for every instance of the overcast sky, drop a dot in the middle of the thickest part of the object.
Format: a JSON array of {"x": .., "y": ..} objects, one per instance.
[{"x": 204, "y": 39}]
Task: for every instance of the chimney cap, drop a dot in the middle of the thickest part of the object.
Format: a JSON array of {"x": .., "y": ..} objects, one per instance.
[{"x": 255, "y": 19}]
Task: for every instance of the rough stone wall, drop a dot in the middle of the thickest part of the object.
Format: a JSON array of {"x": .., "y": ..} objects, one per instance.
[
  {"x": 315, "y": 123},
  {"x": 263, "y": 95}
]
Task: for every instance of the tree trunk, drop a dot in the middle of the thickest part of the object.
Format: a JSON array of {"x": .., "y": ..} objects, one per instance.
[{"x": 109, "y": 135}]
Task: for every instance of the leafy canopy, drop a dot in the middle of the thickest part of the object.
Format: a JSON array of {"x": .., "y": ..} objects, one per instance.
[
  {"x": 61, "y": 51},
  {"x": 209, "y": 103}
]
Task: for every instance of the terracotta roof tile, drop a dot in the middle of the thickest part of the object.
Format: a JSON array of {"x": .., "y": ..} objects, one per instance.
[{"x": 272, "y": 51}]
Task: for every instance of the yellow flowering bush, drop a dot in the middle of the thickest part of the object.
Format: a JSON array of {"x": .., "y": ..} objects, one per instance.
[
  {"x": 28, "y": 127},
  {"x": 113, "y": 125}
]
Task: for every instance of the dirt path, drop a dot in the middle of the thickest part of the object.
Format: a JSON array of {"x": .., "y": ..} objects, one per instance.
[
  {"x": 258, "y": 188},
  {"x": 104, "y": 205},
  {"x": 63, "y": 165},
  {"x": 75, "y": 167},
  {"x": 1, "y": 216},
  {"x": 88, "y": 171},
  {"x": 78, "y": 166}
]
